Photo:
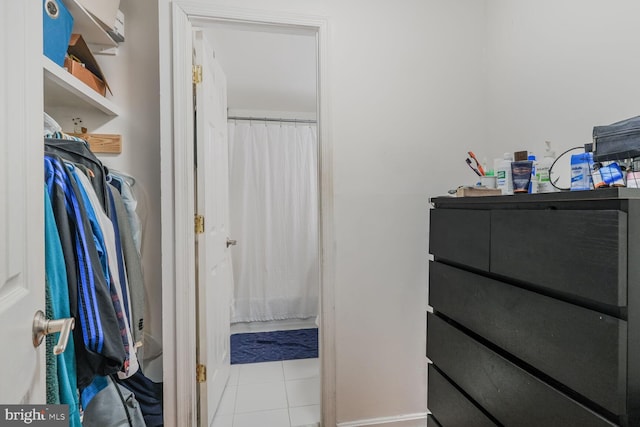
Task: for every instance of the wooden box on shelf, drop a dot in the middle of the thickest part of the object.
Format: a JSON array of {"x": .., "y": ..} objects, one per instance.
[
  {"x": 85, "y": 67},
  {"x": 86, "y": 76}
]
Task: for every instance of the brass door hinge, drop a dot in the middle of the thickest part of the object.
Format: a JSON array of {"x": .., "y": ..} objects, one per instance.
[
  {"x": 197, "y": 74},
  {"x": 201, "y": 373},
  {"x": 199, "y": 224}
]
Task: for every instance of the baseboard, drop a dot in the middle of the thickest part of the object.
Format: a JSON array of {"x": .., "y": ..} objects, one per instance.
[{"x": 408, "y": 420}]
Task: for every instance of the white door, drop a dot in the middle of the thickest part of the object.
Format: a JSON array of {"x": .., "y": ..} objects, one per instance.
[
  {"x": 21, "y": 201},
  {"x": 214, "y": 274}
]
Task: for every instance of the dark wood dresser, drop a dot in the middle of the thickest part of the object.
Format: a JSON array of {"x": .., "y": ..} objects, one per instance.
[{"x": 536, "y": 310}]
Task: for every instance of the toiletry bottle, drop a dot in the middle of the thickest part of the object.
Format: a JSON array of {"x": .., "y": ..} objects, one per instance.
[
  {"x": 533, "y": 187},
  {"x": 633, "y": 176},
  {"x": 543, "y": 167},
  {"x": 504, "y": 179},
  {"x": 596, "y": 176},
  {"x": 581, "y": 169},
  {"x": 521, "y": 175}
]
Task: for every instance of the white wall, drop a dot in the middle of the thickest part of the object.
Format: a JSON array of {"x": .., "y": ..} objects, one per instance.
[
  {"x": 556, "y": 68},
  {"x": 267, "y": 68},
  {"x": 406, "y": 103}
]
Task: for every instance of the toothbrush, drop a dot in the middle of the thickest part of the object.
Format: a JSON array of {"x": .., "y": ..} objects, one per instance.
[
  {"x": 480, "y": 168},
  {"x": 472, "y": 168}
]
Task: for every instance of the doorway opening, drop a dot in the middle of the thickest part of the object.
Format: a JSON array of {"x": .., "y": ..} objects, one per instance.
[
  {"x": 271, "y": 75},
  {"x": 179, "y": 320}
]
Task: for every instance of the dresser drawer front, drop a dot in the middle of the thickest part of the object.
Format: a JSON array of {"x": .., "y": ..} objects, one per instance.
[
  {"x": 450, "y": 407},
  {"x": 510, "y": 394},
  {"x": 579, "y": 253},
  {"x": 431, "y": 421},
  {"x": 460, "y": 236},
  {"x": 581, "y": 348}
]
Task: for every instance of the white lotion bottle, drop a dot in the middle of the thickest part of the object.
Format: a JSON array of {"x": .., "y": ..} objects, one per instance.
[
  {"x": 543, "y": 177},
  {"x": 504, "y": 180}
]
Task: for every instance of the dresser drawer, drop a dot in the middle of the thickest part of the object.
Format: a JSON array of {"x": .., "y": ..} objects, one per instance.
[
  {"x": 573, "y": 252},
  {"x": 510, "y": 394},
  {"x": 450, "y": 407},
  {"x": 460, "y": 236},
  {"x": 581, "y": 348},
  {"x": 431, "y": 421}
]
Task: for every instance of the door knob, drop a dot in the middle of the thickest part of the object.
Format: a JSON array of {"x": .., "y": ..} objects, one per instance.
[
  {"x": 43, "y": 326},
  {"x": 231, "y": 242}
]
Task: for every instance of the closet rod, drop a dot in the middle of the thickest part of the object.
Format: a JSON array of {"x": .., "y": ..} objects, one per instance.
[{"x": 265, "y": 119}]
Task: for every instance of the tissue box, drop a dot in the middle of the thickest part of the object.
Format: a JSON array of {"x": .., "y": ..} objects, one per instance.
[
  {"x": 57, "y": 24},
  {"x": 90, "y": 74}
]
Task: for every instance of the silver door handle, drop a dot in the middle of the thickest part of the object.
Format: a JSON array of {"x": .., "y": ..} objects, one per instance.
[
  {"x": 231, "y": 242},
  {"x": 43, "y": 326}
]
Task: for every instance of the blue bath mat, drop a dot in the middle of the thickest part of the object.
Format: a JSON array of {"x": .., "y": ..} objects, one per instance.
[{"x": 272, "y": 346}]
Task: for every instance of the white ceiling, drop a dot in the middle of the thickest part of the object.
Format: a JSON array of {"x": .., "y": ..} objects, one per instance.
[{"x": 267, "y": 68}]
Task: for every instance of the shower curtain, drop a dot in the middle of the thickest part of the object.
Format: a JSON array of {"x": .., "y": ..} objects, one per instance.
[{"x": 274, "y": 218}]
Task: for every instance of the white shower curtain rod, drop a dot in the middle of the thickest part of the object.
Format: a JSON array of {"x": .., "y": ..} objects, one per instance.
[{"x": 266, "y": 119}]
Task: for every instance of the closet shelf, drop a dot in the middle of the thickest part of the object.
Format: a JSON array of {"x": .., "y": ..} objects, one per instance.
[
  {"x": 85, "y": 24},
  {"x": 62, "y": 89}
]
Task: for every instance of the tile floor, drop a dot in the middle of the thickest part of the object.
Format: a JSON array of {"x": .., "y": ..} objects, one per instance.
[{"x": 272, "y": 394}]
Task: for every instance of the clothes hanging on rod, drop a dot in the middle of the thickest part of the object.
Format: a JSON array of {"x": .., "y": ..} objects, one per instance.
[
  {"x": 132, "y": 264},
  {"x": 113, "y": 406},
  {"x": 148, "y": 395},
  {"x": 101, "y": 271},
  {"x": 63, "y": 366},
  {"x": 98, "y": 346},
  {"x": 133, "y": 197},
  {"x": 50, "y": 126},
  {"x": 76, "y": 150},
  {"x": 111, "y": 270}
]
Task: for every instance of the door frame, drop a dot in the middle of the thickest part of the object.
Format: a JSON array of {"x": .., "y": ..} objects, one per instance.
[{"x": 177, "y": 205}]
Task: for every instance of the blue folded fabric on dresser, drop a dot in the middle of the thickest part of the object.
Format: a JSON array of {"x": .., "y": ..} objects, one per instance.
[{"x": 258, "y": 347}]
